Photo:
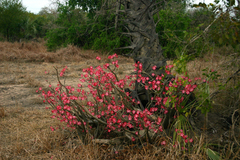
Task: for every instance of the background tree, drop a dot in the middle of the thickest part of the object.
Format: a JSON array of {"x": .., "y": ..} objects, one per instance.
[
  {"x": 105, "y": 22},
  {"x": 78, "y": 26},
  {"x": 12, "y": 14},
  {"x": 225, "y": 29},
  {"x": 106, "y": 26},
  {"x": 34, "y": 26},
  {"x": 68, "y": 27},
  {"x": 90, "y": 6}
]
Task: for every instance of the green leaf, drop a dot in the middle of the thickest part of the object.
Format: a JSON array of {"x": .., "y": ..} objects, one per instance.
[
  {"x": 220, "y": 40},
  {"x": 226, "y": 35},
  {"x": 212, "y": 154}
]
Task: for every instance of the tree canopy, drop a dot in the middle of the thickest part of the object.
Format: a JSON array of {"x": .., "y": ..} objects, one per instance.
[{"x": 11, "y": 16}]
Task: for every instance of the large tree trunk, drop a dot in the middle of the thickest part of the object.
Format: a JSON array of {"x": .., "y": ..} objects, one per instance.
[
  {"x": 142, "y": 29},
  {"x": 138, "y": 17}
]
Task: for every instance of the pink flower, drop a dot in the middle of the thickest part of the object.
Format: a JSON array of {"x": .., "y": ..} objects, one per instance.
[
  {"x": 181, "y": 134},
  {"x": 185, "y": 137},
  {"x": 159, "y": 120},
  {"x": 154, "y": 67},
  {"x": 133, "y": 139},
  {"x": 129, "y": 117},
  {"x": 168, "y": 72},
  {"x": 98, "y": 58},
  {"x": 146, "y": 87},
  {"x": 52, "y": 128},
  {"x": 163, "y": 143},
  {"x": 160, "y": 128},
  {"x": 166, "y": 111}
]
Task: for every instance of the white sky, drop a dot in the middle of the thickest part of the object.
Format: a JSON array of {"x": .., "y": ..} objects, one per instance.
[{"x": 36, "y": 5}]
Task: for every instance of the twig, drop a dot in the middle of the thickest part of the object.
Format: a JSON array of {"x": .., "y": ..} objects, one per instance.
[{"x": 233, "y": 125}]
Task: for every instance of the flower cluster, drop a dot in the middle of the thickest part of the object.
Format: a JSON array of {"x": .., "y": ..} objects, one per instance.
[
  {"x": 62, "y": 72},
  {"x": 112, "y": 110}
]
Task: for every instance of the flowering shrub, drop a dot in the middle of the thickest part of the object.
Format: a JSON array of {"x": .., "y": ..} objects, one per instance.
[{"x": 112, "y": 112}]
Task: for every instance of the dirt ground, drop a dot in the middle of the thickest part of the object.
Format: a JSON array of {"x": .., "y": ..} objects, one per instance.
[
  {"x": 20, "y": 78},
  {"x": 19, "y": 81}
]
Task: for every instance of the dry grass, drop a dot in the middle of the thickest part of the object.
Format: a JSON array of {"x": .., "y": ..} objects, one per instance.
[
  {"x": 225, "y": 66},
  {"x": 25, "y": 124},
  {"x": 37, "y": 52},
  {"x": 25, "y": 134},
  {"x": 33, "y": 83},
  {"x": 2, "y": 112}
]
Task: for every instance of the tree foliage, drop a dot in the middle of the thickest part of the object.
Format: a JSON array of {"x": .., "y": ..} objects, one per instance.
[
  {"x": 225, "y": 29},
  {"x": 171, "y": 27},
  {"x": 12, "y": 15},
  {"x": 98, "y": 25},
  {"x": 16, "y": 23},
  {"x": 90, "y": 6},
  {"x": 75, "y": 26},
  {"x": 67, "y": 27}
]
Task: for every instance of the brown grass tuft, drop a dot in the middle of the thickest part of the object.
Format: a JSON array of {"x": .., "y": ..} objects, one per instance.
[
  {"x": 37, "y": 52},
  {"x": 33, "y": 83},
  {"x": 2, "y": 112}
]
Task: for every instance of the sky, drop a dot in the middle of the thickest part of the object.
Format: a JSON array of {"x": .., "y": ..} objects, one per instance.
[{"x": 35, "y": 6}]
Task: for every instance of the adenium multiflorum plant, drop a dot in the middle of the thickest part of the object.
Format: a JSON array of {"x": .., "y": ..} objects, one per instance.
[{"x": 105, "y": 110}]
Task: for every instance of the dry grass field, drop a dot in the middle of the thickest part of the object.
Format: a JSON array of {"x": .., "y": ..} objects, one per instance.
[{"x": 25, "y": 123}]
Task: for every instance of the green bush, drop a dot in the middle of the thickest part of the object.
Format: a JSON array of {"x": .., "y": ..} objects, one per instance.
[
  {"x": 69, "y": 28},
  {"x": 73, "y": 27},
  {"x": 223, "y": 24},
  {"x": 56, "y": 38},
  {"x": 170, "y": 29},
  {"x": 12, "y": 14},
  {"x": 104, "y": 36}
]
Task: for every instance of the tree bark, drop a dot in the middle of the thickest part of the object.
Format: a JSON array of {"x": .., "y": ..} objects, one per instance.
[{"x": 142, "y": 29}]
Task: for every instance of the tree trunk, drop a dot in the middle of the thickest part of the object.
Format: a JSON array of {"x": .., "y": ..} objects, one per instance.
[
  {"x": 8, "y": 35},
  {"x": 138, "y": 16},
  {"x": 142, "y": 29}
]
